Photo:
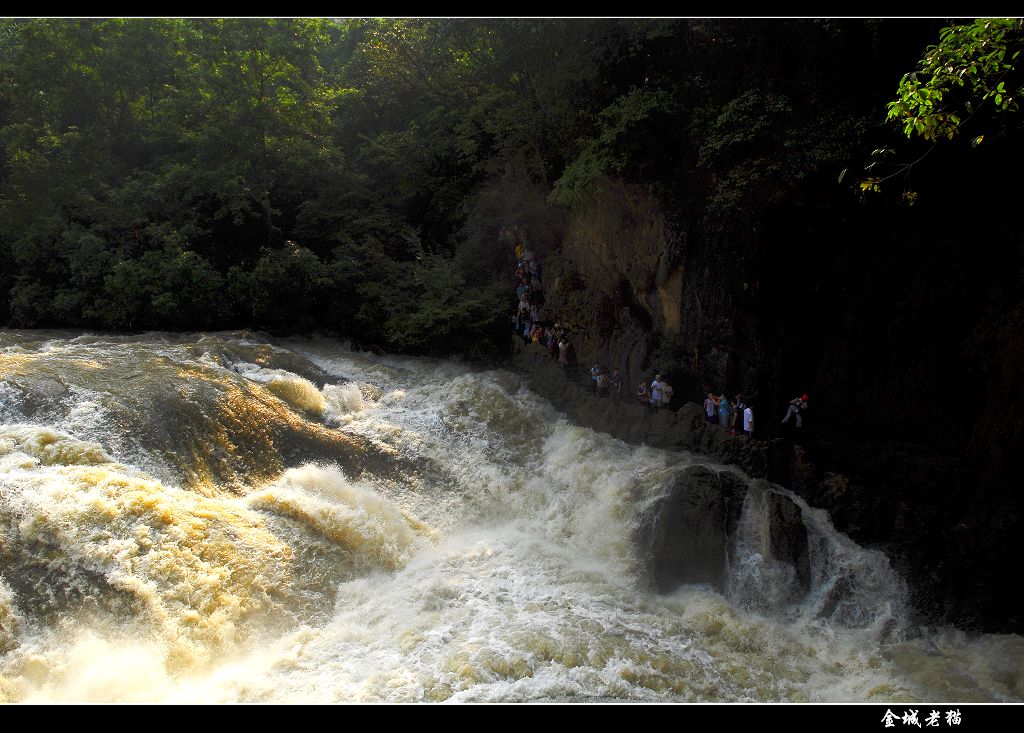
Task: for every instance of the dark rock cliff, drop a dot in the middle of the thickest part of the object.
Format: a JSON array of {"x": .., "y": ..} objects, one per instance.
[{"x": 905, "y": 327}]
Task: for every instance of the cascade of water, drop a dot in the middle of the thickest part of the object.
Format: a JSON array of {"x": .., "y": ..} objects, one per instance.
[{"x": 218, "y": 517}]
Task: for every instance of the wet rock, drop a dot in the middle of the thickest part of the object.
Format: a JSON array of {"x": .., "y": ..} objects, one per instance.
[
  {"x": 690, "y": 418},
  {"x": 788, "y": 538},
  {"x": 40, "y": 394},
  {"x": 683, "y": 535}
]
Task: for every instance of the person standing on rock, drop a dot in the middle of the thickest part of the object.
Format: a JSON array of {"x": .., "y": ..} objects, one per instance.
[
  {"x": 643, "y": 393},
  {"x": 600, "y": 377},
  {"x": 724, "y": 414},
  {"x": 711, "y": 408},
  {"x": 616, "y": 384},
  {"x": 666, "y": 396},
  {"x": 524, "y": 306},
  {"x": 657, "y": 391},
  {"x": 737, "y": 418},
  {"x": 566, "y": 356},
  {"x": 796, "y": 406},
  {"x": 748, "y": 421}
]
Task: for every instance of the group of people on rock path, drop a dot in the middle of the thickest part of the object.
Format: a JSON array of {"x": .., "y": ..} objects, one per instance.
[
  {"x": 656, "y": 394},
  {"x": 529, "y": 295},
  {"x": 733, "y": 415},
  {"x": 605, "y": 384},
  {"x": 527, "y": 321}
]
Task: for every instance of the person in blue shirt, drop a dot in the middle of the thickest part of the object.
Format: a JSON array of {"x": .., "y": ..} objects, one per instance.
[{"x": 724, "y": 413}]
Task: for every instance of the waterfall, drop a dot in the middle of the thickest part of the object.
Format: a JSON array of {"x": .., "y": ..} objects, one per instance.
[{"x": 225, "y": 517}]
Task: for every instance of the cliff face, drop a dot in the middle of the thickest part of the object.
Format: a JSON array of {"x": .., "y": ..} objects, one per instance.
[
  {"x": 905, "y": 326},
  {"x": 622, "y": 279}
]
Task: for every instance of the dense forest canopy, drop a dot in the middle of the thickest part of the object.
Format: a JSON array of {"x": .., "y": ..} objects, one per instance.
[{"x": 356, "y": 176}]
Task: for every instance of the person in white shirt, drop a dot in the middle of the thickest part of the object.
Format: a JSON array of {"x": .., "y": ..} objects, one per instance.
[
  {"x": 748, "y": 422},
  {"x": 657, "y": 391},
  {"x": 711, "y": 408}
]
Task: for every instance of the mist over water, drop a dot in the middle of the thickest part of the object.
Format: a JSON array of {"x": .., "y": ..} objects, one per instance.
[{"x": 219, "y": 518}]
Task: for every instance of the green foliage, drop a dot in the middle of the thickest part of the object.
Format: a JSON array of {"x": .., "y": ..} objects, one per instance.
[
  {"x": 741, "y": 123},
  {"x": 446, "y": 318},
  {"x": 968, "y": 80},
  {"x": 363, "y": 176},
  {"x": 153, "y": 168},
  {"x": 286, "y": 288},
  {"x": 624, "y": 128},
  {"x": 159, "y": 290},
  {"x": 757, "y": 146},
  {"x": 289, "y": 174},
  {"x": 968, "y": 69}
]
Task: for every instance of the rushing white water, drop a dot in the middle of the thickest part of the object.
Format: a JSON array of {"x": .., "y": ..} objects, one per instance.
[{"x": 221, "y": 518}]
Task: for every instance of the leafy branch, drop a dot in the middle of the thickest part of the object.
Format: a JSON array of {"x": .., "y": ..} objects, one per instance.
[
  {"x": 969, "y": 57},
  {"x": 968, "y": 71}
]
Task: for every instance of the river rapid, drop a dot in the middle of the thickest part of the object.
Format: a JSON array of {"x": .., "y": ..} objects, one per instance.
[{"x": 227, "y": 517}]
